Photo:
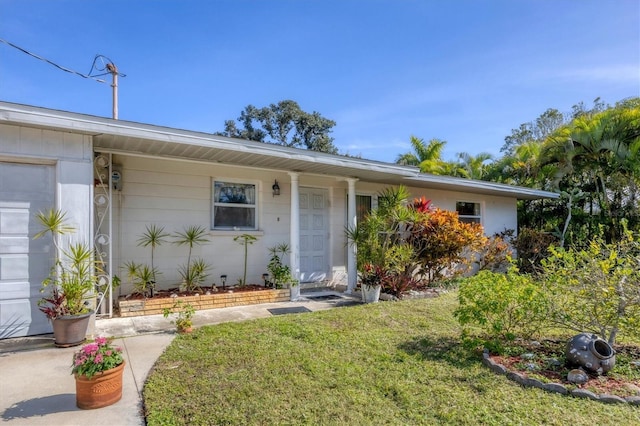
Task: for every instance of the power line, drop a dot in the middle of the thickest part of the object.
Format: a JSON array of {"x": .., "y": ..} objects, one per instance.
[{"x": 105, "y": 67}]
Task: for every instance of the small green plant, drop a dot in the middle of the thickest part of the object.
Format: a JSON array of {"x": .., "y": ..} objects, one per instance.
[
  {"x": 195, "y": 275},
  {"x": 280, "y": 273},
  {"x": 192, "y": 236},
  {"x": 141, "y": 277},
  {"x": 73, "y": 275},
  {"x": 183, "y": 315},
  {"x": 153, "y": 237},
  {"x": 245, "y": 240}
]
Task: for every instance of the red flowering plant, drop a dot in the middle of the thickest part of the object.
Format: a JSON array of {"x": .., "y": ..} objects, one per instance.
[
  {"x": 372, "y": 275},
  {"x": 96, "y": 357}
]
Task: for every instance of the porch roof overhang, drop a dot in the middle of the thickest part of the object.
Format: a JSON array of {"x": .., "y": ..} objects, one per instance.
[{"x": 131, "y": 138}]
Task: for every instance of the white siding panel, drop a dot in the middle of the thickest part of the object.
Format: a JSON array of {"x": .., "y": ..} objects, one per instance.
[{"x": 45, "y": 144}]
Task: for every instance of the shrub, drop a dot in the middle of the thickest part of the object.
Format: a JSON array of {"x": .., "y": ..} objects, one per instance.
[
  {"x": 505, "y": 306},
  {"x": 597, "y": 289},
  {"x": 442, "y": 244},
  {"x": 532, "y": 246},
  {"x": 496, "y": 253}
]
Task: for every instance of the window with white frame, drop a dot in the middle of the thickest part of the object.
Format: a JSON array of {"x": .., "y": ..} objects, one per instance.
[
  {"x": 468, "y": 212},
  {"x": 234, "y": 206}
]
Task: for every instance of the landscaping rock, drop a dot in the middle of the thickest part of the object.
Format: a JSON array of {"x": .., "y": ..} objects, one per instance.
[
  {"x": 583, "y": 393},
  {"x": 528, "y": 356},
  {"x": 611, "y": 399},
  {"x": 518, "y": 378},
  {"x": 633, "y": 400},
  {"x": 498, "y": 368},
  {"x": 554, "y": 362},
  {"x": 557, "y": 388},
  {"x": 577, "y": 376},
  {"x": 535, "y": 383}
]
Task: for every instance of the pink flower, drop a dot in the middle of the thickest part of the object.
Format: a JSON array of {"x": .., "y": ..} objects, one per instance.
[
  {"x": 98, "y": 359},
  {"x": 90, "y": 349},
  {"x": 108, "y": 353},
  {"x": 101, "y": 340}
]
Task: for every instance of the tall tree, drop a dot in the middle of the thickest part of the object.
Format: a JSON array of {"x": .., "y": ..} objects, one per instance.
[
  {"x": 284, "y": 124},
  {"x": 474, "y": 166},
  {"x": 537, "y": 130},
  {"x": 597, "y": 153},
  {"x": 425, "y": 156}
]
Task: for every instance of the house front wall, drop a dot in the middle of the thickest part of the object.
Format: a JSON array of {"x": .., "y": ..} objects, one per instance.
[
  {"x": 176, "y": 194},
  {"x": 39, "y": 169}
]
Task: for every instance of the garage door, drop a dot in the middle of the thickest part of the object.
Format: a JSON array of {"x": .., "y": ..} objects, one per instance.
[{"x": 25, "y": 189}]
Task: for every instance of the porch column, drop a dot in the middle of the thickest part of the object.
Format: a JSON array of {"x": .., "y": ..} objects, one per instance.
[
  {"x": 294, "y": 231},
  {"x": 352, "y": 222}
]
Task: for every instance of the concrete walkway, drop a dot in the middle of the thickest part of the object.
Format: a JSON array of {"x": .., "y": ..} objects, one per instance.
[{"x": 37, "y": 388}]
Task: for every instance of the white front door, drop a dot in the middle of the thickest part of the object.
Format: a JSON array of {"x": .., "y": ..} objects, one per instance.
[
  {"x": 25, "y": 189},
  {"x": 314, "y": 235}
]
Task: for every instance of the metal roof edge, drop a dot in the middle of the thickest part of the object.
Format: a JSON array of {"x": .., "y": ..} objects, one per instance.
[
  {"x": 94, "y": 125},
  {"x": 29, "y": 115}
]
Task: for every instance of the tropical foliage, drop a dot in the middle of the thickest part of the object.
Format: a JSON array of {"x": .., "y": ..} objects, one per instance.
[
  {"x": 404, "y": 245},
  {"x": 73, "y": 276},
  {"x": 590, "y": 155}
]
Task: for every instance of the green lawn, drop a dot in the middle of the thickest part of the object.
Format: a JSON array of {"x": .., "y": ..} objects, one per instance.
[{"x": 397, "y": 363}]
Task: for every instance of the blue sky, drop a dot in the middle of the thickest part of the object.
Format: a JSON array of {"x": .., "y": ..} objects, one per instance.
[{"x": 465, "y": 71}]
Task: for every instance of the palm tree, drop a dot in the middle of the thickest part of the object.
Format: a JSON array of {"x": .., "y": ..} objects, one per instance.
[
  {"x": 597, "y": 153},
  {"x": 474, "y": 166},
  {"x": 427, "y": 157}
]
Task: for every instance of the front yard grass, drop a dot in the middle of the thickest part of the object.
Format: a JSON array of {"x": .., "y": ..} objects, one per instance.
[{"x": 396, "y": 363}]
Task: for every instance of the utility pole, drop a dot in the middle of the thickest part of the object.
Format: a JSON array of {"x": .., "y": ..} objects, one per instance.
[{"x": 114, "y": 86}]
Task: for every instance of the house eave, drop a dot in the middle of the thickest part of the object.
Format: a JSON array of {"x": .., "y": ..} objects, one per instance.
[{"x": 133, "y": 138}]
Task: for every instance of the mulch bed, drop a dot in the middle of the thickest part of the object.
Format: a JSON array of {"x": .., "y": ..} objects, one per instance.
[{"x": 548, "y": 362}]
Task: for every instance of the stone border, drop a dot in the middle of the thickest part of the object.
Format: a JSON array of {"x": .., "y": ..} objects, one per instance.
[
  {"x": 134, "y": 308},
  {"x": 560, "y": 388}
]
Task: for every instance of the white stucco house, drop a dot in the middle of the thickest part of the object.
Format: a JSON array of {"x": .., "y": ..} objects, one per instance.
[{"x": 115, "y": 177}]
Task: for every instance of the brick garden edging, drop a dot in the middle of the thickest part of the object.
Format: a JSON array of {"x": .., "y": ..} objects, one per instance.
[
  {"x": 554, "y": 387},
  {"x": 134, "y": 308}
]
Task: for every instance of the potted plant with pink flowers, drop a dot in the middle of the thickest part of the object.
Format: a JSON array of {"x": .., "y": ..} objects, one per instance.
[{"x": 98, "y": 368}]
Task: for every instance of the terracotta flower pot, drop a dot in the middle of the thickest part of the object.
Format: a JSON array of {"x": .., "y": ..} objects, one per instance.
[{"x": 100, "y": 390}]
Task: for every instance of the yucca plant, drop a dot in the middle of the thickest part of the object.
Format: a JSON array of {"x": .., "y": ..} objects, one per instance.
[
  {"x": 73, "y": 275},
  {"x": 245, "y": 240},
  {"x": 153, "y": 237},
  {"x": 191, "y": 236},
  {"x": 142, "y": 277}
]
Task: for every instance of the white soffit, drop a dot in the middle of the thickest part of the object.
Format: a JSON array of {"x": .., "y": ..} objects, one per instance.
[{"x": 124, "y": 137}]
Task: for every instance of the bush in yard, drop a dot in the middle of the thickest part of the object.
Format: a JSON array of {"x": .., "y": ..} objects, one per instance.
[
  {"x": 532, "y": 246},
  {"x": 496, "y": 253},
  {"x": 504, "y": 305},
  {"x": 442, "y": 244},
  {"x": 596, "y": 289}
]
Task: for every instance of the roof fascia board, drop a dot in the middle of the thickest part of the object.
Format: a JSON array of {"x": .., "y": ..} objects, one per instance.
[{"x": 86, "y": 124}]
